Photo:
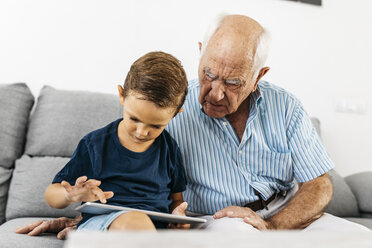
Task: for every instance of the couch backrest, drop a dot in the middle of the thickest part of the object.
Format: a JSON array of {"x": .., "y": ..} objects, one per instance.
[
  {"x": 61, "y": 118},
  {"x": 343, "y": 202},
  {"x": 16, "y": 101}
]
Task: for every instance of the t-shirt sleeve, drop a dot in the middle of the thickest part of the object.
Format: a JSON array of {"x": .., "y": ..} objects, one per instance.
[
  {"x": 178, "y": 183},
  {"x": 309, "y": 156},
  {"x": 78, "y": 165}
]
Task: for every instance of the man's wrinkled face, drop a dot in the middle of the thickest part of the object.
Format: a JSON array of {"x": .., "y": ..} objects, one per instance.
[{"x": 226, "y": 80}]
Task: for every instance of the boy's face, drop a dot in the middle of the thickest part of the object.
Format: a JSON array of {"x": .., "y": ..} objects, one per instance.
[{"x": 143, "y": 121}]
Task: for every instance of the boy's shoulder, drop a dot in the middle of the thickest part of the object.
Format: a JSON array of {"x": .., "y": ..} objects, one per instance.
[{"x": 171, "y": 143}]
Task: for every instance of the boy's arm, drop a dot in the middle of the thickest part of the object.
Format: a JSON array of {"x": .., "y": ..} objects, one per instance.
[
  {"x": 55, "y": 196},
  {"x": 177, "y": 199},
  {"x": 60, "y": 195},
  {"x": 178, "y": 207}
]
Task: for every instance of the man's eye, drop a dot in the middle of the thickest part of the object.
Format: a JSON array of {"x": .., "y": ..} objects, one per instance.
[
  {"x": 156, "y": 127},
  {"x": 133, "y": 119},
  {"x": 209, "y": 77},
  {"x": 233, "y": 83}
]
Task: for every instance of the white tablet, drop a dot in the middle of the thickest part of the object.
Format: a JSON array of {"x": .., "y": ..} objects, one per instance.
[{"x": 99, "y": 208}]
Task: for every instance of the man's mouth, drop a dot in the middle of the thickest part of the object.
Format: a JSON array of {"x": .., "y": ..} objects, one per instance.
[{"x": 214, "y": 106}]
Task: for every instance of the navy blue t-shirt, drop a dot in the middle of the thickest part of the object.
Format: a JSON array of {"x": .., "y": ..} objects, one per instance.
[{"x": 140, "y": 180}]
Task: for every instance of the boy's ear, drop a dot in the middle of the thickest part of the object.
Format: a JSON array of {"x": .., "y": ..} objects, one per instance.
[{"x": 121, "y": 96}]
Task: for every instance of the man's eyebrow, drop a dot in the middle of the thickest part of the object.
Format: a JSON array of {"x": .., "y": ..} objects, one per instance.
[
  {"x": 234, "y": 81},
  {"x": 209, "y": 73}
]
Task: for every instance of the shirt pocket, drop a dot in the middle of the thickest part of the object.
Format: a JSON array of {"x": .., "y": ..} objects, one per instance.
[{"x": 272, "y": 164}]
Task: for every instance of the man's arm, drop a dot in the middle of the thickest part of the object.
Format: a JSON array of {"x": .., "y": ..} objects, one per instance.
[{"x": 305, "y": 207}]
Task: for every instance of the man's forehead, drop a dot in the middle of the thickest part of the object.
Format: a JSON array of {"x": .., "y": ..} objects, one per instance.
[{"x": 227, "y": 66}]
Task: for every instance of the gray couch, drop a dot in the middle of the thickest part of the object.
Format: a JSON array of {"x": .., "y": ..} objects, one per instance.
[{"x": 36, "y": 142}]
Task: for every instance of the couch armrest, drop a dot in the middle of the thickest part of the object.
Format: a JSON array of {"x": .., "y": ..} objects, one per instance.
[{"x": 360, "y": 184}]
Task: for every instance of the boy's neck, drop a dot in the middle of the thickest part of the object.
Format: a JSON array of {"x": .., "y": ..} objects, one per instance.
[{"x": 127, "y": 141}]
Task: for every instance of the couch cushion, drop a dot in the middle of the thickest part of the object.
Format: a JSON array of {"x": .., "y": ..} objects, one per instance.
[
  {"x": 12, "y": 240},
  {"x": 63, "y": 117},
  {"x": 361, "y": 186},
  {"x": 343, "y": 203},
  {"x": 31, "y": 177},
  {"x": 16, "y": 102}
]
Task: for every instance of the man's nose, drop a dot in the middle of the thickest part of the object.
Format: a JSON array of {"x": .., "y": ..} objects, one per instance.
[{"x": 217, "y": 92}]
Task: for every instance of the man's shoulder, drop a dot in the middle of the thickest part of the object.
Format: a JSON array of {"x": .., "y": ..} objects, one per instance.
[
  {"x": 272, "y": 91},
  {"x": 193, "y": 84}
]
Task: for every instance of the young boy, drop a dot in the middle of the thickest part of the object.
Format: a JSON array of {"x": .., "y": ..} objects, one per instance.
[{"x": 132, "y": 161}]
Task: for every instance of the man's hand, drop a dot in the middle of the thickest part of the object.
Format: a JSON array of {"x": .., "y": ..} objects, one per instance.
[
  {"x": 84, "y": 191},
  {"x": 180, "y": 210},
  {"x": 61, "y": 226},
  {"x": 247, "y": 214}
]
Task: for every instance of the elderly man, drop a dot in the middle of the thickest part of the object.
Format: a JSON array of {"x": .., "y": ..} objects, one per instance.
[{"x": 245, "y": 143}]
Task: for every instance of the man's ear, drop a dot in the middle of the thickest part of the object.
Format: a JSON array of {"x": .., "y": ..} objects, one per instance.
[
  {"x": 121, "y": 96},
  {"x": 200, "y": 46},
  {"x": 262, "y": 73}
]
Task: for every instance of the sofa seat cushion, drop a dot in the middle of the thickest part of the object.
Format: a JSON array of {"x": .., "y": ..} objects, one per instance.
[
  {"x": 16, "y": 102},
  {"x": 31, "y": 177},
  {"x": 9, "y": 239},
  {"x": 61, "y": 118}
]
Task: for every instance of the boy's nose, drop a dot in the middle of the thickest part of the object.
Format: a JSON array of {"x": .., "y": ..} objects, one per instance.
[{"x": 142, "y": 131}]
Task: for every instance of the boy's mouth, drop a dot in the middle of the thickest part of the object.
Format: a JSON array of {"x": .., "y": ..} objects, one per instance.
[{"x": 139, "y": 139}]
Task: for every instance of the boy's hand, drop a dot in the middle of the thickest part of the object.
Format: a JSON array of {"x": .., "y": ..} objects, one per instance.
[
  {"x": 85, "y": 191},
  {"x": 180, "y": 210}
]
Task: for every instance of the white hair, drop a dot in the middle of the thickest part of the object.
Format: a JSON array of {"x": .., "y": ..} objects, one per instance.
[{"x": 262, "y": 48}]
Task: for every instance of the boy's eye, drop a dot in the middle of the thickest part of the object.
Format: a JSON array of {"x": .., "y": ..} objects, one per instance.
[
  {"x": 156, "y": 127},
  {"x": 133, "y": 119}
]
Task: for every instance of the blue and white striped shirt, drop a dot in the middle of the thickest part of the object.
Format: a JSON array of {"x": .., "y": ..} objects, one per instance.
[{"x": 279, "y": 145}]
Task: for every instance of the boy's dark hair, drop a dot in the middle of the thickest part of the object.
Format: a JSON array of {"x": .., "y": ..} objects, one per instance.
[{"x": 160, "y": 78}]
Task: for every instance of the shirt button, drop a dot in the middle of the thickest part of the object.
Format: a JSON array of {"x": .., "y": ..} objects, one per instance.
[
  {"x": 240, "y": 151},
  {"x": 225, "y": 123}
]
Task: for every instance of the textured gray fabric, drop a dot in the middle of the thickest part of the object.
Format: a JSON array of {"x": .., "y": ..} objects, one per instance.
[
  {"x": 5, "y": 175},
  {"x": 26, "y": 193},
  {"x": 366, "y": 215},
  {"x": 363, "y": 221},
  {"x": 62, "y": 118},
  {"x": 361, "y": 186},
  {"x": 9, "y": 239},
  {"x": 16, "y": 102},
  {"x": 343, "y": 203}
]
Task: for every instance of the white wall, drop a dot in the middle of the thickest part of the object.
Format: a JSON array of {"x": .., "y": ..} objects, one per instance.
[{"x": 321, "y": 54}]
